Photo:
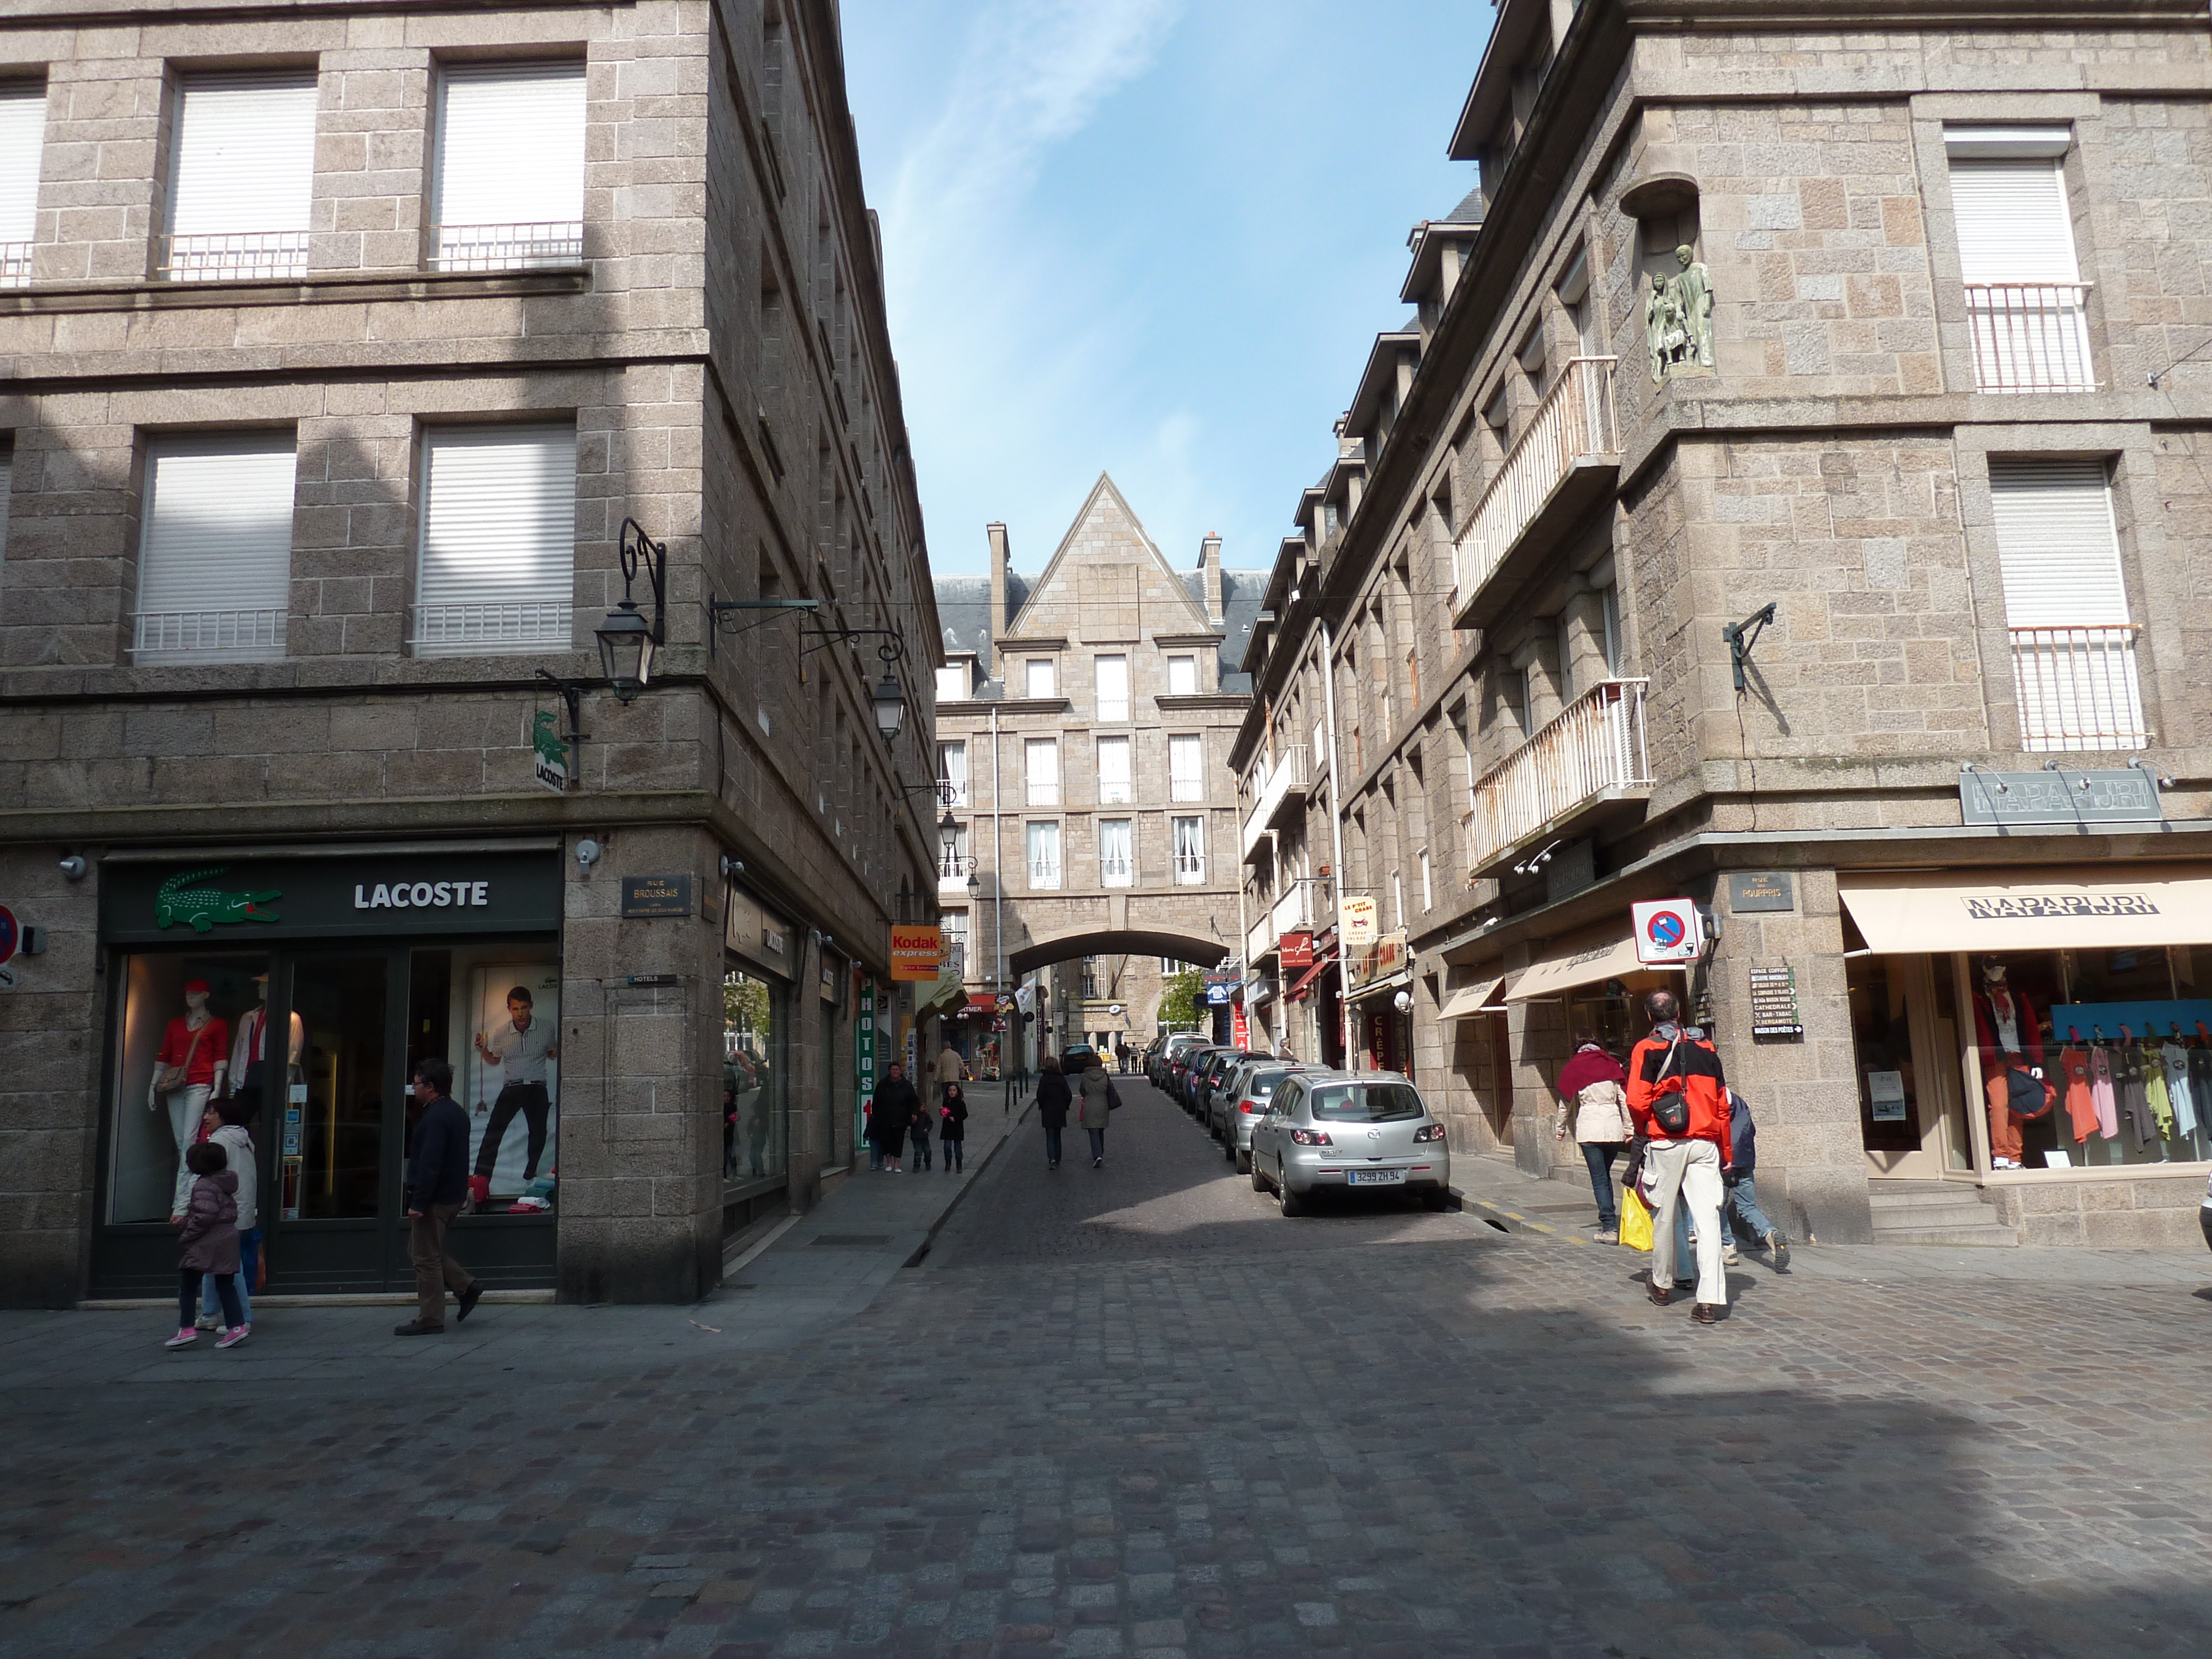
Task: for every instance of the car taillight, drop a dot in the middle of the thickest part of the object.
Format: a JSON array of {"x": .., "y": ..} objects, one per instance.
[
  {"x": 1311, "y": 1138},
  {"x": 1430, "y": 1132},
  {"x": 1248, "y": 1107}
]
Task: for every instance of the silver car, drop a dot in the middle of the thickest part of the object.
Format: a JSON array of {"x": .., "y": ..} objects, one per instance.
[
  {"x": 1339, "y": 1129},
  {"x": 1241, "y": 1105}
]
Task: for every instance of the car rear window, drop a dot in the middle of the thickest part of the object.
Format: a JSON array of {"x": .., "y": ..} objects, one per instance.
[
  {"x": 1366, "y": 1102},
  {"x": 1263, "y": 1084}
]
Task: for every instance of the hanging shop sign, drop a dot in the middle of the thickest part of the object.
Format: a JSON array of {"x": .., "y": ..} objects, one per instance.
[
  {"x": 1667, "y": 932},
  {"x": 1381, "y": 960},
  {"x": 917, "y": 952},
  {"x": 656, "y": 896},
  {"x": 1217, "y": 996},
  {"x": 864, "y": 1055},
  {"x": 1296, "y": 949},
  {"x": 760, "y": 935},
  {"x": 2120, "y": 795},
  {"x": 550, "y": 753},
  {"x": 344, "y": 895},
  {"x": 1357, "y": 918}
]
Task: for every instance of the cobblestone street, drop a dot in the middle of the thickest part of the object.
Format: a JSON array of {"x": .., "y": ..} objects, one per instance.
[{"x": 1135, "y": 1412}]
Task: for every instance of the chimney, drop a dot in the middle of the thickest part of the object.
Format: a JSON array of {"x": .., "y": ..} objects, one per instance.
[
  {"x": 1210, "y": 561},
  {"x": 1000, "y": 559}
]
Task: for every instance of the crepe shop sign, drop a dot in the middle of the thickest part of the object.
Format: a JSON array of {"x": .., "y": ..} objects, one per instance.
[{"x": 421, "y": 895}]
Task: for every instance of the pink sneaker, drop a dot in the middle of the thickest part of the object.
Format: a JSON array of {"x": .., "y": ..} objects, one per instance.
[
  {"x": 233, "y": 1336},
  {"x": 183, "y": 1339}
]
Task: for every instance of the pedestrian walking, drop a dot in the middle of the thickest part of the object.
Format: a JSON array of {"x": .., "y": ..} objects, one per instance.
[
  {"x": 437, "y": 1182},
  {"x": 952, "y": 1137},
  {"x": 1095, "y": 1108},
  {"x": 1052, "y": 1096},
  {"x": 1593, "y": 1107},
  {"x": 919, "y": 1131},
  {"x": 227, "y": 1121},
  {"x": 207, "y": 1243},
  {"x": 896, "y": 1107},
  {"x": 1740, "y": 1216},
  {"x": 948, "y": 1068},
  {"x": 1678, "y": 1098}
]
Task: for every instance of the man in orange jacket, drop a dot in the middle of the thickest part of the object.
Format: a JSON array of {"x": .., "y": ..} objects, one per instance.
[{"x": 1678, "y": 1097}]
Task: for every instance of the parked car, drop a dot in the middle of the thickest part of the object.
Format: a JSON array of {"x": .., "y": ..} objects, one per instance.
[
  {"x": 1221, "y": 1100},
  {"x": 1206, "y": 1074},
  {"x": 1244, "y": 1102},
  {"x": 1333, "y": 1130},
  {"x": 1168, "y": 1053}
]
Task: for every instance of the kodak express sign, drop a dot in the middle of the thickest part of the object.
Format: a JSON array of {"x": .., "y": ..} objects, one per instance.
[{"x": 917, "y": 952}]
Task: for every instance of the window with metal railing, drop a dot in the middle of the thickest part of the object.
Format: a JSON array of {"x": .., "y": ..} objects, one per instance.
[
  {"x": 1187, "y": 768},
  {"x": 2073, "y": 642},
  {"x": 497, "y": 571},
  {"x": 214, "y": 555},
  {"x": 1117, "y": 864},
  {"x": 1040, "y": 771},
  {"x": 508, "y": 193},
  {"x": 1043, "y": 848},
  {"x": 22, "y": 141},
  {"x": 952, "y": 774},
  {"x": 1113, "y": 785},
  {"x": 241, "y": 174},
  {"x": 1189, "y": 837},
  {"x": 2027, "y": 305}
]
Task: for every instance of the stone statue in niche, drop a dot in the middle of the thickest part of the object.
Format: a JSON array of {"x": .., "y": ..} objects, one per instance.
[{"x": 1678, "y": 319}]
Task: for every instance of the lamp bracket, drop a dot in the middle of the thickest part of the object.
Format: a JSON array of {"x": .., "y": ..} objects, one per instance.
[
  {"x": 639, "y": 549},
  {"x": 1741, "y": 636},
  {"x": 892, "y": 649},
  {"x": 717, "y": 609}
]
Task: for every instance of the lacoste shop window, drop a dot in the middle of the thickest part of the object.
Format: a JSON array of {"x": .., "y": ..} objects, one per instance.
[
  {"x": 757, "y": 1012},
  {"x": 368, "y": 962}
]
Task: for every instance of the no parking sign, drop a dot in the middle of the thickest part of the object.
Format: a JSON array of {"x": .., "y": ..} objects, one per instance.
[{"x": 1667, "y": 933}]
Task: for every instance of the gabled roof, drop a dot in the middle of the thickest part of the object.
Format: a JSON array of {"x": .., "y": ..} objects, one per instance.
[{"x": 1105, "y": 509}]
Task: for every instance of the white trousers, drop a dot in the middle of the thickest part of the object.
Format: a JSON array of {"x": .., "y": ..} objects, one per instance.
[
  {"x": 1687, "y": 1172},
  {"x": 186, "y": 1107}
]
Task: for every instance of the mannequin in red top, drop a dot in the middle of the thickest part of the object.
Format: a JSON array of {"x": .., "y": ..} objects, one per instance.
[
  {"x": 198, "y": 1042},
  {"x": 2006, "y": 1034}
]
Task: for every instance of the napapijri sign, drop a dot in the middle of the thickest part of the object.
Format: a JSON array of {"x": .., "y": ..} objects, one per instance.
[{"x": 2036, "y": 907}]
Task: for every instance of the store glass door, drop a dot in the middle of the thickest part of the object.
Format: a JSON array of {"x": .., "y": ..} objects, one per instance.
[{"x": 340, "y": 1126}]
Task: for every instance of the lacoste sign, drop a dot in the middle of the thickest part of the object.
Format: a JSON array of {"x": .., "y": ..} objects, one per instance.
[{"x": 181, "y": 898}]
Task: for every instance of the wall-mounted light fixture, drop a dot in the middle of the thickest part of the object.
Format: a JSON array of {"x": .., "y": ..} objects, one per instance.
[
  {"x": 628, "y": 644},
  {"x": 2000, "y": 785}
]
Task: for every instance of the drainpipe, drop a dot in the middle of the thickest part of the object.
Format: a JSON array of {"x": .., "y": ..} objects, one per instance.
[
  {"x": 998, "y": 891},
  {"x": 1336, "y": 845}
]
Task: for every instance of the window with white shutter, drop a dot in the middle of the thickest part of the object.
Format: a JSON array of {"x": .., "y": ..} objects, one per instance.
[
  {"x": 2066, "y": 606},
  {"x": 215, "y": 547},
  {"x": 1187, "y": 768},
  {"x": 1117, "y": 859},
  {"x": 242, "y": 171},
  {"x": 1113, "y": 771},
  {"x": 1040, "y": 766},
  {"x": 498, "y": 569},
  {"x": 22, "y": 142},
  {"x": 952, "y": 683},
  {"x": 1112, "y": 687},
  {"x": 2027, "y": 305},
  {"x": 509, "y": 191},
  {"x": 1037, "y": 680},
  {"x": 1183, "y": 676}
]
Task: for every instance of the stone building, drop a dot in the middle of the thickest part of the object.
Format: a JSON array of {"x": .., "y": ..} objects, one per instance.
[
  {"x": 347, "y": 349},
  {"x": 1084, "y": 722},
  {"x": 1787, "y": 496}
]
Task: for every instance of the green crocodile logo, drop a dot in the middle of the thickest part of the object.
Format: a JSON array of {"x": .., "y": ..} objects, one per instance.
[{"x": 203, "y": 907}]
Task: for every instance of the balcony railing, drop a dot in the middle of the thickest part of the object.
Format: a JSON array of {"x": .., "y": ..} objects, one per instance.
[
  {"x": 449, "y": 630},
  {"x": 1294, "y": 910},
  {"x": 233, "y": 256},
  {"x": 1044, "y": 876},
  {"x": 508, "y": 248},
  {"x": 186, "y": 636},
  {"x": 2031, "y": 337},
  {"x": 1259, "y": 940},
  {"x": 1115, "y": 871},
  {"x": 2077, "y": 688},
  {"x": 953, "y": 792},
  {"x": 1596, "y": 743},
  {"x": 1284, "y": 783},
  {"x": 1043, "y": 792},
  {"x": 14, "y": 264},
  {"x": 1575, "y": 420}
]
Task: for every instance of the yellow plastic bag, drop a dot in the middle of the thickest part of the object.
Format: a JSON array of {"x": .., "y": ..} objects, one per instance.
[{"x": 1635, "y": 1221}]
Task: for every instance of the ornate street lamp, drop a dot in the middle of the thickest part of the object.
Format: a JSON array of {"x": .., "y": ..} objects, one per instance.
[{"x": 629, "y": 643}]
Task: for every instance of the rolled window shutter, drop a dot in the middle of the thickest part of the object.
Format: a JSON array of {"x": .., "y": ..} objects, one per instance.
[
  {"x": 2056, "y": 543},
  {"x": 7, "y": 489},
  {"x": 22, "y": 137},
  {"x": 498, "y": 569},
  {"x": 2012, "y": 221},
  {"x": 511, "y": 145},
  {"x": 214, "y": 559},
  {"x": 245, "y": 155}
]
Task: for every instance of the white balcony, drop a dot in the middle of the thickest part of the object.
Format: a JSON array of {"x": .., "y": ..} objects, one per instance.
[
  {"x": 553, "y": 244},
  {"x": 14, "y": 264},
  {"x": 449, "y": 630},
  {"x": 2031, "y": 337},
  {"x": 1275, "y": 791},
  {"x": 1259, "y": 940},
  {"x": 1560, "y": 467},
  {"x": 233, "y": 256},
  {"x": 2077, "y": 688},
  {"x": 1590, "y": 759},
  {"x": 183, "y": 636}
]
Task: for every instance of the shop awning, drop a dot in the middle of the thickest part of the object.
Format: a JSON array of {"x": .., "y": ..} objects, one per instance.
[
  {"x": 1904, "y": 913},
  {"x": 1471, "y": 1000},
  {"x": 1306, "y": 980},
  {"x": 1578, "y": 965}
]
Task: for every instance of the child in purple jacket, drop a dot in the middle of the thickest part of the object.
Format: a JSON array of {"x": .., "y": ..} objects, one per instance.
[{"x": 207, "y": 1243}]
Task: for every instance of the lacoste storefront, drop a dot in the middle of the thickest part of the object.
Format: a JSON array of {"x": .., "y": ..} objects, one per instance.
[{"x": 307, "y": 987}]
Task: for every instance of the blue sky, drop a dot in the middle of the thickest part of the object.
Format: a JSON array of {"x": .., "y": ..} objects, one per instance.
[{"x": 1153, "y": 237}]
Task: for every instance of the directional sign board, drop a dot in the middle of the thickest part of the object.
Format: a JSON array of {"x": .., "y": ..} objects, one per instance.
[{"x": 1667, "y": 933}]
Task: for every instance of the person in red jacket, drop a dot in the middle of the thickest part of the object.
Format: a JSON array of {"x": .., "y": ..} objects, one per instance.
[{"x": 1678, "y": 1096}]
